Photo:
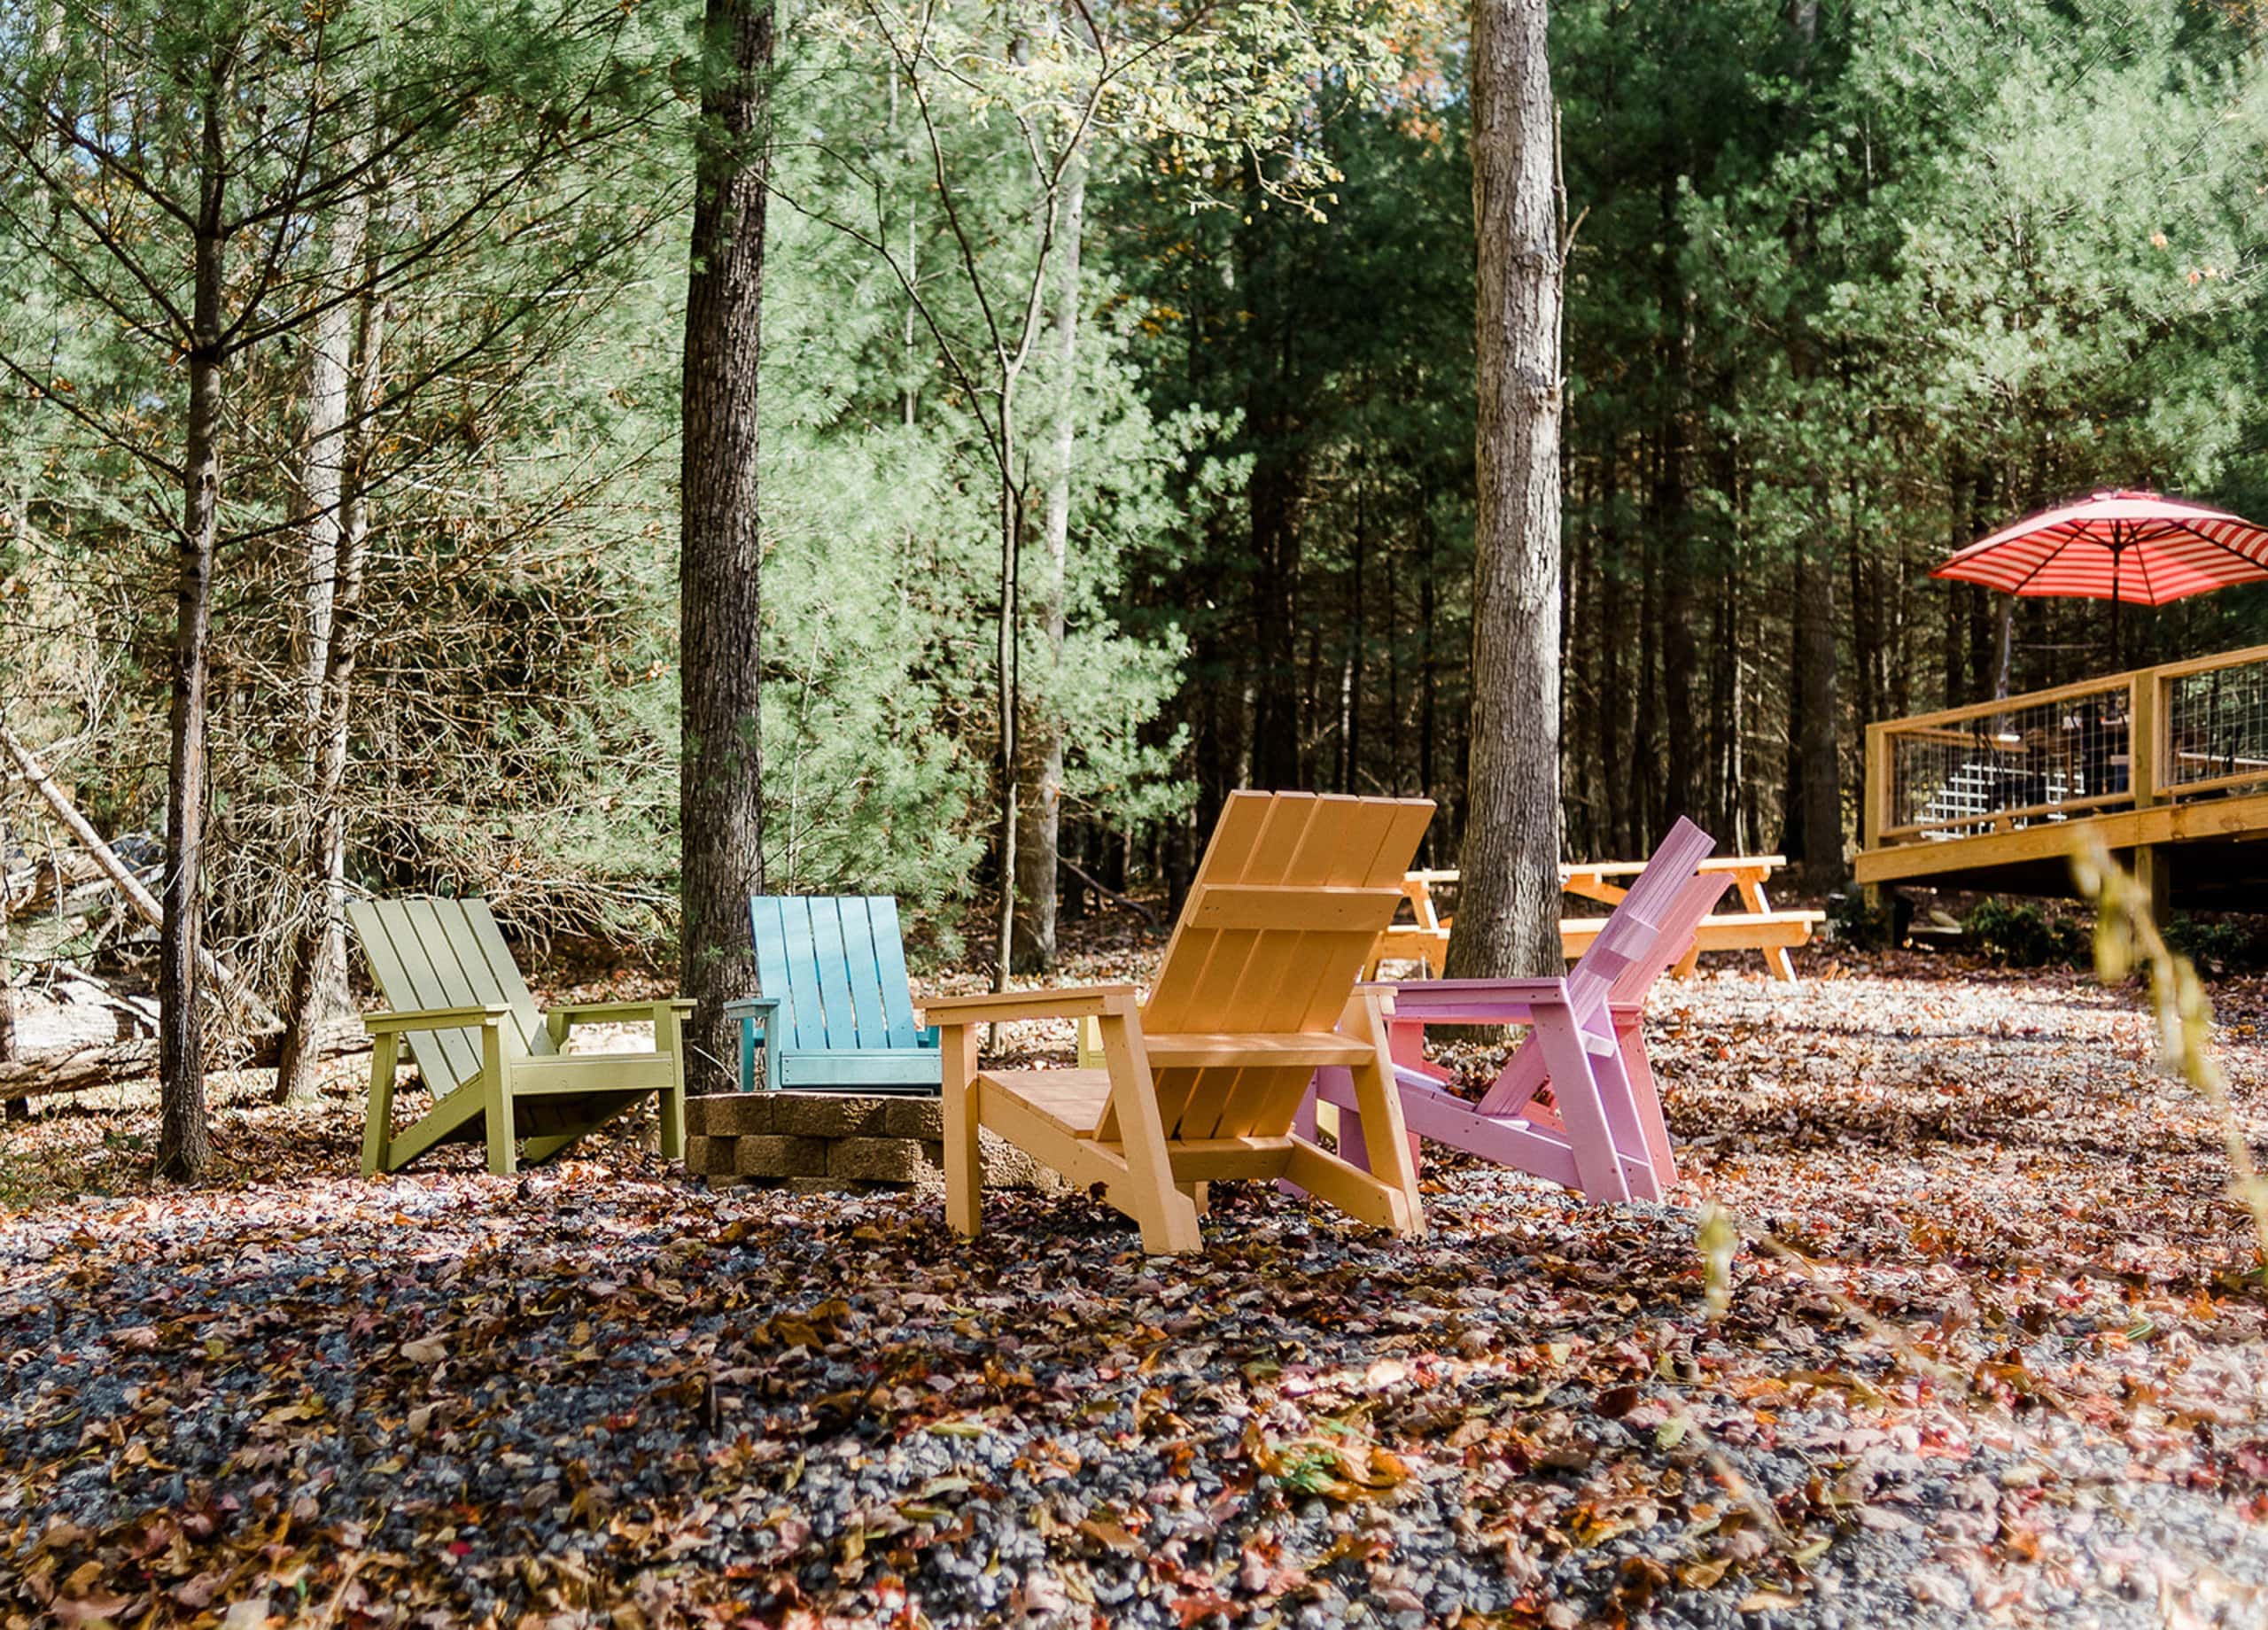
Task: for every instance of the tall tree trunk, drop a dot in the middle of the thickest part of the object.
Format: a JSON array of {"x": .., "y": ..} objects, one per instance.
[
  {"x": 17, "y": 1108},
  {"x": 315, "y": 996},
  {"x": 1952, "y": 647},
  {"x": 1613, "y": 600},
  {"x": 1275, "y": 495},
  {"x": 1006, "y": 679},
  {"x": 315, "y": 1000},
  {"x": 1818, "y": 776},
  {"x": 1671, "y": 523},
  {"x": 185, "y": 1140},
  {"x": 2003, "y": 644},
  {"x": 1041, "y": 834},
  {"x": 1508, "y": 911},
  {"x": 720, "y": 793},
  {"x": 1351, "y": 703},
  {"x": 1428, "y": 671},
  {"x": 1648, "y": 716}
]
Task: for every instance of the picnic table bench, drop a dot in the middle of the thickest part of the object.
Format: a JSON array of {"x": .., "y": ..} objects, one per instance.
[{"x": 1756, "y": 926}]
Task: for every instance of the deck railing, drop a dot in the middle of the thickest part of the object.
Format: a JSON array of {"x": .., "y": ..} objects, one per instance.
[{"x": 2185, "y": 730}]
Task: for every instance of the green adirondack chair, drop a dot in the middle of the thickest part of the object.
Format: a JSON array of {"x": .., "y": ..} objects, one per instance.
[
  {"x": 493, "y": 1062},
  {"x": 836, "y": 1013}
]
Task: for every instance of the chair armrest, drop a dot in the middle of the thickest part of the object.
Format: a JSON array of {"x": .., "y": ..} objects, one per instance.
[
  {"x": 576, "y": 1012},
  {"x": 1076, "y": 1003},
  {"x": 435, "y": 1018},
  {"x": 757, "y": 1007}
]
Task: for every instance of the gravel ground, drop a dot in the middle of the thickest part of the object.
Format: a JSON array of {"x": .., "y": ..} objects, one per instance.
[{"x": 2014, "y": 1375}]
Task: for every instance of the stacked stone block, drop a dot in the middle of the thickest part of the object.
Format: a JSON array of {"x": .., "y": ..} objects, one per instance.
[{"x": 819, "y": 1141}]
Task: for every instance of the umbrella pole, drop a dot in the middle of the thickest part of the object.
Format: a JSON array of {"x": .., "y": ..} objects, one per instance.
[{"x": 2117, "y": 659}]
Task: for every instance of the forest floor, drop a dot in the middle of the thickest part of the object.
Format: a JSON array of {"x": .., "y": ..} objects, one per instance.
[{"x": 2010, "y": 1370}]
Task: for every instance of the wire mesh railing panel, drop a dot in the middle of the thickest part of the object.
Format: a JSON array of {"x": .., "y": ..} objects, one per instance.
[
  {"x": 2029, "y": 762},
  {"x": 2216, "y": 726}
]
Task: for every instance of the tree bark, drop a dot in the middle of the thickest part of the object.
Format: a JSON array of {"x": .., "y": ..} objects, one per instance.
[
  {"x": 1275, "y": 494},
  {"x": 1040, "y": 836},
  {"x": 17, "y": 1108},
  {"x": 1507, "y": 919},
  {"x": 1007, "y": 690},
  {"x": 341, "y": 351},
  {"x": 22, "y": 1080},
  {"x": 1818, "y": 776},
  {"x": 1670, "y": 503},
  {"x": 185, "y": 1140},
  {"x": 316, "y": 1002},
  {"x": 720, "y": 807}
]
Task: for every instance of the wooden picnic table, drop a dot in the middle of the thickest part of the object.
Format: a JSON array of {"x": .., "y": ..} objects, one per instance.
[{"x": 1756, "y": 926}]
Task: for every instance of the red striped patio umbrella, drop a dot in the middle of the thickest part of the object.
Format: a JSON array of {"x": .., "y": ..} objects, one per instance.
[{"x": 2127, "y": 548}]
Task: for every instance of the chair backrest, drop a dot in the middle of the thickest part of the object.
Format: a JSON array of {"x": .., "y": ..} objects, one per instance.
[
  {"x": 1291, "y": 892},
  {"x": 1635, "y": 930},
  {"x": 1696, "y": 900},
  {"x": 427, "y": 951},
  {"x": 837, "y": 965}
]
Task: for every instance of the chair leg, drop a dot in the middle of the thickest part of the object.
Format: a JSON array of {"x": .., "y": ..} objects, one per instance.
[
  {"x": 1354, "y": 1148},
  {"x": 1304, "y": 1126},
  {"x": 666, "y": 1034},
  {"x": 1167, "y": 1217},
  {"x": 964, "y": 1152},
  {"x": 1376, "y": 1138},
  {"x": 503, "y": 1158},
  {"x": 377, "y": 1135},
  {"x": 1646, "y": 1098},
  {"x": 1574, "y": 1089}
]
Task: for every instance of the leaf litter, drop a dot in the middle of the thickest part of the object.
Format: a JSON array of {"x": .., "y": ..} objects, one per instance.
[{"x": 2000, "y": 1363}]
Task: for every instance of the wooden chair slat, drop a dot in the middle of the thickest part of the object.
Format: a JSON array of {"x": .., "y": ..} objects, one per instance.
[
  {"x": 1227, "y": 954},
  {"x": 899, "y": 1028},
  {"x": 445, "y": 1059},
  {"x": 1183, "y": 972},
  {"x": 767, "y": 922},
  {"x": 1350, "y": 844},
  {"x": 480, "y": 945},
  {"x": 806, "y": 1003},
  {"x": 1635, "y": 924},
  {"x": 829, "y": 959},
  {"x": 1279, "y": 908},
  {"x": 863, "y": 971}
]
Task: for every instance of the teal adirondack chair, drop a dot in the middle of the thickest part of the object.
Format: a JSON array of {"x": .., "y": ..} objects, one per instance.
[{"x": 836, "y": 1013}]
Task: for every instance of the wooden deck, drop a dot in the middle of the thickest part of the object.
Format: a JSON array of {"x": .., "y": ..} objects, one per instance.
[{"x": 2169, "y": 766}]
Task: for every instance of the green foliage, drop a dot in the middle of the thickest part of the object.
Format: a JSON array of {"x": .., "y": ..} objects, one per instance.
[
  {"x": 2024, "y": 936},
  {"x": 2221, "y": 944},
  {"x": 1859, "y": 925},
  {"x": 1869, "y": 293}
]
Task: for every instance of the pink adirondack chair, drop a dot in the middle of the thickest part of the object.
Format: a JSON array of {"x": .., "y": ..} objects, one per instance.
[{"x": 1605, "y": 1135}]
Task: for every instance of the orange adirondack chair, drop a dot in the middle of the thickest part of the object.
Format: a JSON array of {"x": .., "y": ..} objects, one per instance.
[{"x": 1202, "y": 1081}]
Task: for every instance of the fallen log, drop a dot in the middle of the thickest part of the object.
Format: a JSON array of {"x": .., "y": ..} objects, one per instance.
[
  {"x": 77, "y": 1071},
  {"x": 121, "y": 876},
  {"x": 337, "y": 1037}
]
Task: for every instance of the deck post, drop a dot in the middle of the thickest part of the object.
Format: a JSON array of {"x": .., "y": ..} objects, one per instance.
[
  {"x": 1875, "y": 810},
  {"x": 2146, "y": 778}
]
